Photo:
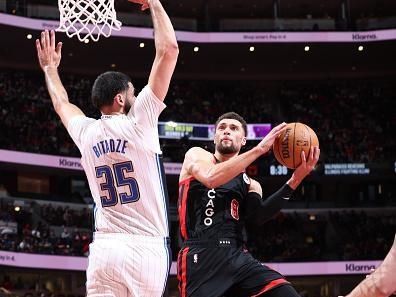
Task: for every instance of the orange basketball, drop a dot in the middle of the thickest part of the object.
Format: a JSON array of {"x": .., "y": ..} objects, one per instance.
[{"x": 288, "y": 146}]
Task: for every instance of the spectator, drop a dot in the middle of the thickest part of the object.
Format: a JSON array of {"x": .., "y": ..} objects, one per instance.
[{"x": 348, "y": 125}]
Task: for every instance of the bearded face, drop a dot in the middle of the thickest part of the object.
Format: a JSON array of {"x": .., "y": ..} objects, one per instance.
[
  {"x": 226, "y": 147},
  {"x": 229, "y": 137}
]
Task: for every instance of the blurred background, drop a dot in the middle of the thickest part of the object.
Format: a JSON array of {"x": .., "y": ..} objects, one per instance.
[{"x": 342, "y": 219}]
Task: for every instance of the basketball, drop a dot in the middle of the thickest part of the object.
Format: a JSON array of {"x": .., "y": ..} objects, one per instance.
[{"x": 287, "y": 147}]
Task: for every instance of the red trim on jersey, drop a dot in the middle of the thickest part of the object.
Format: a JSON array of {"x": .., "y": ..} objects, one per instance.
[
  {"x": 179, "y": 270},
  {"x": 186, "y": 179},
  {"x": 271, "y": 285},
  {"x": 184, "y": 186},
  {"x": 182, "y": 273}
]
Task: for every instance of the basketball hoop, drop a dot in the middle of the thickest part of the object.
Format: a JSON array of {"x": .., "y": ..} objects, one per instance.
[{"x": 88, "y": 19}]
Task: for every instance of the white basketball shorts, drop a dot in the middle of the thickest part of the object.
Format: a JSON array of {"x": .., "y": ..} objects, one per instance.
[{"x": 123, "y": 265}]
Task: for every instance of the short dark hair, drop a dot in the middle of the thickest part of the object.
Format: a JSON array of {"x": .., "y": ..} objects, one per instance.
[
  {"x": 106, "y": 86},
  {"x": 233, "y": 116}
]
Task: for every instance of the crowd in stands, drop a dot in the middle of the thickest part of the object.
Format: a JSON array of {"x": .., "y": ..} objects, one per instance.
[
  {"x": 28, "y": 120},
  {"x": 362, "y": 236},
  {"x": 37, "y": 241},
  {"x": 336, "y": 235},
  {"x": 302, "y": 241},
  {"x": 63, "y": 232},
  {"x": 352, "y": 119},
  {"x": 66, "y": 216}
]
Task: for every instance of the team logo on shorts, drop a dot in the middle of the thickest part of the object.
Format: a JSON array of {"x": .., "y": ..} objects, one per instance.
[
  {"x": 246, "y": 179},
  {"x": 235, "y": 209}
]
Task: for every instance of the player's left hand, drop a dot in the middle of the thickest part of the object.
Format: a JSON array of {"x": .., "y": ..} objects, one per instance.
[
  {"x": 48, "y": 55},
  {"x": 307, "y": 166},
  {"x": 144, "y": 3}
]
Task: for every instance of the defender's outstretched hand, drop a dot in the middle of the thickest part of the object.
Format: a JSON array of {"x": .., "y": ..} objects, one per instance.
[
  {"x": 269, "y": 139},
  {"x": 48, "y": 54},
  {"x": 144, "y": 3}
]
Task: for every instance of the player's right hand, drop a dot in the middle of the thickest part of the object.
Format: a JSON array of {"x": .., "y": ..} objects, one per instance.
[
  {"x": 267, "y": 142},
  {"x": 48, "y": 55}
]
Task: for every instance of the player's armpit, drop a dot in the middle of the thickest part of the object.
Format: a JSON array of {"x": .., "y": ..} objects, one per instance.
[
  {"x": 255, "y": 187},
  {"x": 67, "y": 111}
]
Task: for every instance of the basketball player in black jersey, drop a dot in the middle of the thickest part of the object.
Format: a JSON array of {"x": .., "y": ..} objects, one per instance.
[{"x": 216, "y": 197}]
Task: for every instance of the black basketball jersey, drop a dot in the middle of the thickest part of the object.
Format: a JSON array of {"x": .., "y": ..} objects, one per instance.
[{"x": 207, "y": 214}]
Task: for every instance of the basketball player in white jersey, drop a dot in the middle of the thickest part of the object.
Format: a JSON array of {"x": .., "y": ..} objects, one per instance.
[{"x": 129, "y": 255}]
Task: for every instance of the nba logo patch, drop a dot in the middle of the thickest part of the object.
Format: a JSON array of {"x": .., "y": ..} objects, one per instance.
[
  {"x": 235, "y": 209},
  {"x": 246, "y": 178}
]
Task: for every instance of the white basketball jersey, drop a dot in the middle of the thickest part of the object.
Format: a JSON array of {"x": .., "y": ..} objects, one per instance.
[{"x": 120, "y": 156}]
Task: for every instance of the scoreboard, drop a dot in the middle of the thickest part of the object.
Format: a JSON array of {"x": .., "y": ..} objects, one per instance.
[{"x": 192, "y": 131}]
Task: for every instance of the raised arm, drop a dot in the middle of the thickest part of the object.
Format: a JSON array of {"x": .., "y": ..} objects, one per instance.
[
  {"x": 166, "y": 48},
  {"x": 49, "y": 57},
  {"x": 199, "y": 163}
]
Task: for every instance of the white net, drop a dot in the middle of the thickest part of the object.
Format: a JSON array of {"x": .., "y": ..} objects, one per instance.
[{"x": 88, "y": 19}]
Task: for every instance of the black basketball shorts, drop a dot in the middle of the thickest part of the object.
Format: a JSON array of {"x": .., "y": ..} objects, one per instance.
[{"x": 223, "y": 269}]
